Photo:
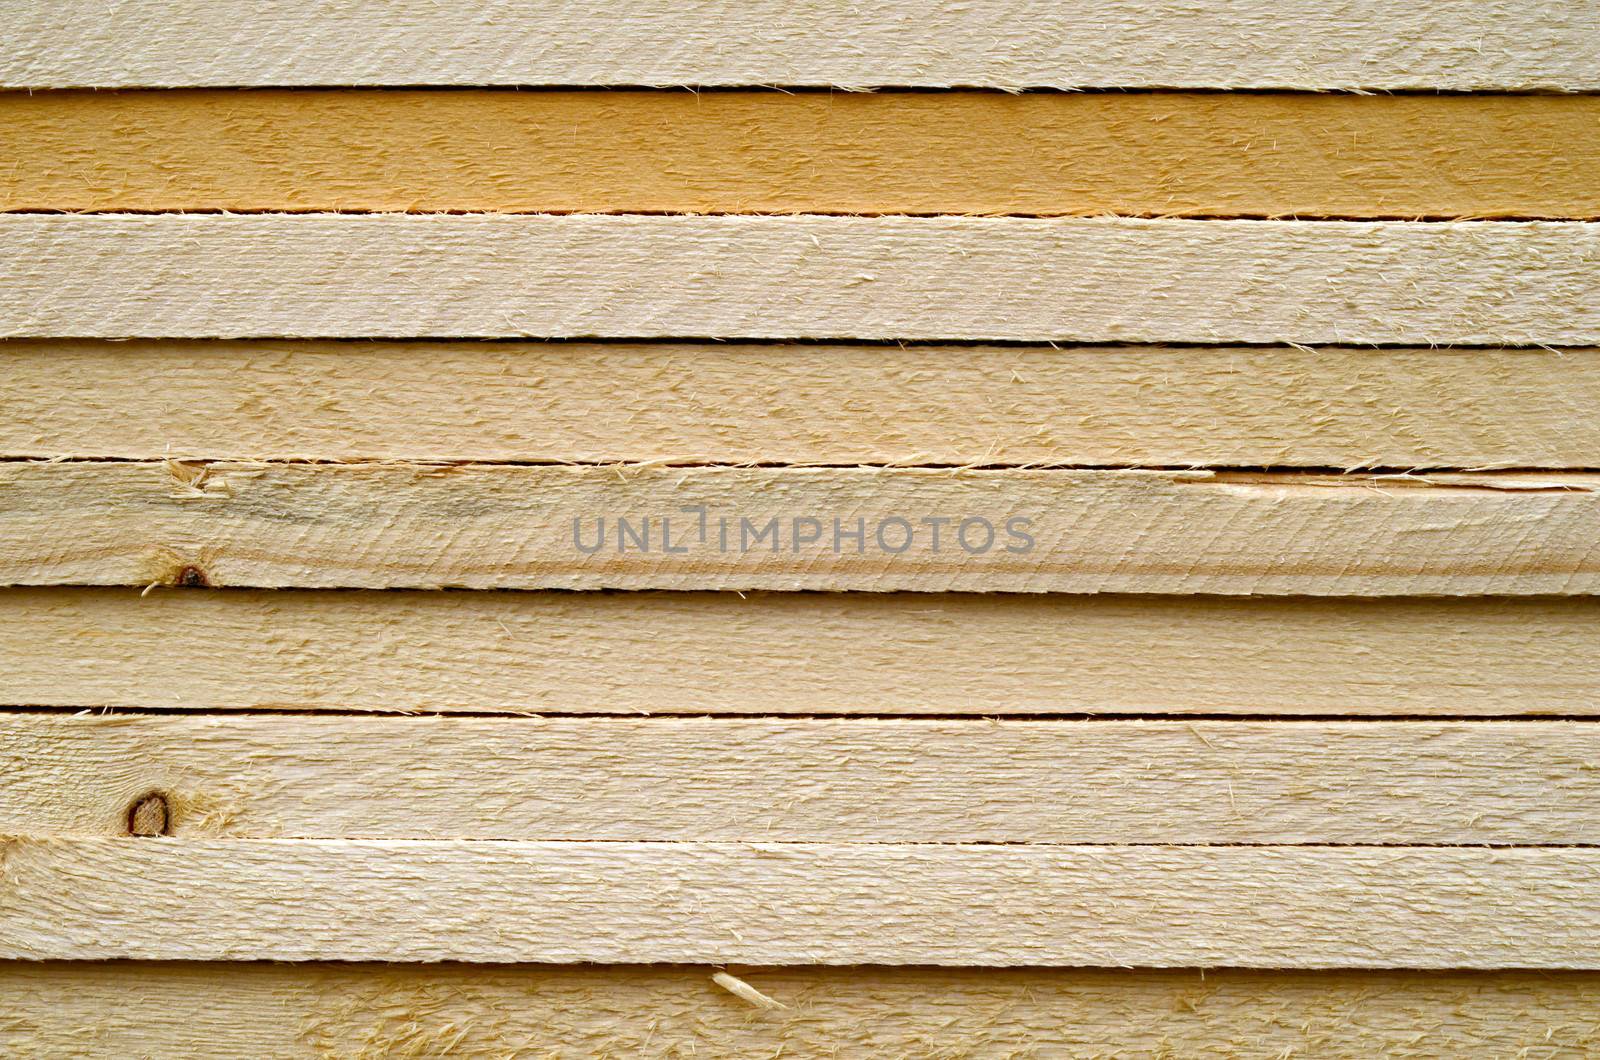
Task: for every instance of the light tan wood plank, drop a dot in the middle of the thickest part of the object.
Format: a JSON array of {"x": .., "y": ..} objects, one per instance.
[
  {"x": 527, "y": 527},
  {"x": 796, "y": 903},
  {"x": 1041, "y": 153},
  {"x": 1454, "y": 44},
  {"x": 723, "y": 403},
  {"x": 797, "y": 653},
  {"x": 247, "y": 1011},
  {"x": 872, "y": 781},
  {"x": 1000, "y": 278}
]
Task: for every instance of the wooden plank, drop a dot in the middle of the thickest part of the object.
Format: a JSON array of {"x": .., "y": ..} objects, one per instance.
[
  {"x": 829, "y": 404},
  {"x": 1448, "y": 44},
  {"x": 800, "y": 903},
  {"x": 1141, "y": 154},
  {"x": 798, "y": 653},
  {"x": 486, "y": 526},
  {"x": 249, "y": 1010},
  {"x": 999, "y": 278},
  {"x": 803, "y": 780}
]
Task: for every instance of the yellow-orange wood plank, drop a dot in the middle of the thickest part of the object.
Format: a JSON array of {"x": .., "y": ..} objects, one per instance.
[
  {"x": 797, "y": 404},
  {"x": 1161, "y": 154},
  {"x": 245, "y": 1011}
]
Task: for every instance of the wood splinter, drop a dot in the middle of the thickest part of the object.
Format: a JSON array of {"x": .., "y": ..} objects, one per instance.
[{"x": 741, "y": 989}]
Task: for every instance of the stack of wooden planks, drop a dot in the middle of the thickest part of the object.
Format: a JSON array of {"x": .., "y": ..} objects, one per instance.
[{"x": 1088, "y": 548}]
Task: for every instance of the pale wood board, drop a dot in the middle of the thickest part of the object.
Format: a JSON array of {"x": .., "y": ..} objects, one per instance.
[
  {"x": 1450, "y": 44},
  {"x": 799, "y": 653},
  {"x": 282, "y": 525},
  {"x": 1043, "y": 153},
  {"x": 800, "y": 903},
  {"x": 798, "y": 404},
  {"x": 992, "y": 278},
  {"x": 804, "y": 780},
  {"x": 251, "y": 1010}
]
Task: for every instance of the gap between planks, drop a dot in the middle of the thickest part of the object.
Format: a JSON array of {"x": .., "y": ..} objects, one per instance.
[
  {"x": 949, "y": 278},
  {"x": 423, "y": 901},
  {"x": 720, "y": 403},
  {"x": 1140, "y": 154},
  {"x": 535, "y": 527},
  {"x": 1483, "y": 45},
  {"x": 801, "y": 653},
  {"x": 1282, "y": 782}
]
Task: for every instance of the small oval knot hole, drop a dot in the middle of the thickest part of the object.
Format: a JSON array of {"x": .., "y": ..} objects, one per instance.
[
  {"x": 149, "y": 815},
  {"x": 191, "y": 577}
]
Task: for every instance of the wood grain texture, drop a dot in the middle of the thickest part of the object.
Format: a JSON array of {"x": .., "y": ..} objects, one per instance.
[
  {"x": 1451, "y": 44},
  {"x": 1141, "y": 154},
  {"x": 801, "y": 404},
  {"x": 1002, "y": 278},
  {"x": 800, "y": 903},
  {"x": 805, "y": 780},
  {"x": 245, "y": 1011},
  {"x": 486, "y": 526},
  {"x": 797, "y": 653}
]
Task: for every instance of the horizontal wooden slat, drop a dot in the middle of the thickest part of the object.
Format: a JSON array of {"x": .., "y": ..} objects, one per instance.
[
  {"x": 1001, "y": 278},
  {"x": 797, "y": 903},
  {"x": 870, "y": 781},
  {"x": 799, "y": 653},
  {"x": 1454, "y": 44},
  {"x": 247, "y": 1011},
  {"x": 720, "y": 403},
  {"x": 1141, "y": 154},
  {"x": 539, "y": 526}
]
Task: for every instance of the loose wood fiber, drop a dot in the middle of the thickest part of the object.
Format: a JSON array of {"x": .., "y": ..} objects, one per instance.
[
  {"x": 800, "y": 903},
  {"x": 543, "y": 526},
  {"x": 727, "y": 403},
  {"x": 1066, "y": 279},
  {"x": 768, "y": 152},
  {"x": 1450, "y": 44},
  {"x": 804, "y": 780},
  {"x": 246, "y": 1011},
  {"x": 798, "y": 653}
]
